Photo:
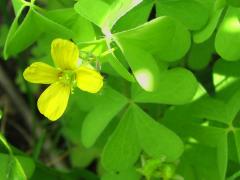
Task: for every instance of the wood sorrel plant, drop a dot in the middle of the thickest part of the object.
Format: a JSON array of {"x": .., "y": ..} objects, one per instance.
[{"x": 167, "y": 107}]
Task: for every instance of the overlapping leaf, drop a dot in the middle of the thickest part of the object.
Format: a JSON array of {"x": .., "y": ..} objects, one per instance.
[
  {"x": 96, "y": 121},
  {"x": 104, "y": 14},
  {"x": 165, "y": 38},
  {"x": 124, "y": 146}
]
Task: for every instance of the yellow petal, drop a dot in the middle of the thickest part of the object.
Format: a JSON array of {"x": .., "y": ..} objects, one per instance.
[
  {"x": 41, "y": 73},
  {"x": 65, "y": 54},
  {"x": 89, "y": 80},
  {"x": 53, "y": 101}
]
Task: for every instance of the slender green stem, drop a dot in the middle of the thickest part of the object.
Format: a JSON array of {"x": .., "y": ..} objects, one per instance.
[{"x": 39, "y": 146}]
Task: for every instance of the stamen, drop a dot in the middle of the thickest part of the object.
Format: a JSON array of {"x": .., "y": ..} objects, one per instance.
[{"x": 68, "y": 78}]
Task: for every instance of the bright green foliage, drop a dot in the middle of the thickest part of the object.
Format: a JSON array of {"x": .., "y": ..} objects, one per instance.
[
  {"x": 130, "y": 21},
  {"x": 215, "y": 10},
  {"x": 190, "y": 12},
  {"x": 145, "y": 71},
  {"x": 227, "y": 38},
  {"x": 109, "y": 13},
  {"x": 161, "y": 37},
  {"x": 17, "y": 5},
  {"x": 19, "y": 31},
  {"x": 118, "y": 155},
  {"x": 168, "y": 91}
]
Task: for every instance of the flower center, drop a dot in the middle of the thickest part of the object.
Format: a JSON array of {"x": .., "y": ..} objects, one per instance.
[{"x": 68, "y": 77}]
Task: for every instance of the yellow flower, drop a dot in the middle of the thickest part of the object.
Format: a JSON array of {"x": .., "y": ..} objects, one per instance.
[{"x": 68, "y": 73}]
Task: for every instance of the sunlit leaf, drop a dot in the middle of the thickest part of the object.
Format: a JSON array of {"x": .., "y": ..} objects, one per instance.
[
  {"x": 190, "y": 12},
  {"x": 143, "y": 65},
  {"x": 104, "y": 14},
  {"x": 176, "y": 86},
  {"x": 165, "y": 38},
  {"x": 228, "y": 36}
]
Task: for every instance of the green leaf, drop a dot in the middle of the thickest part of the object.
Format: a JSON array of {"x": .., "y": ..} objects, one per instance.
[
  {"x": 96, "y": 47},
  {"x": 95, "y": 13},
  {"x": 205, "y": 33},
  {"x": 202, "y": 162},
  {"x": 33, "y": 25},
  {"x": 129, "y": 21},
  {"x": 81, "y": 157},
  {"x": 122, "y": 149},
  {"x": 143, "y": 65},
  {"x": 237, "y": 143},
  {"x": 155, "y": 139},
  {"x": 138, "y": 130},
  {"x": 14, "y": 170},
  {"x": 176, "y": 86},
  {"x": 27, "y": 165},
  {"x": 233, "y": 106},
  {"x": 228, "y": 36},
  {"x": 17, "y": 167},
  {"x": 83, "y": 29},
  {"x": 11, "y": 32},
  {"x": 211, "y": 109},
  {"x": 19, "y": 35},
  {"x": 201, "y": 54},
  {"x": 222, "y": 157},
  {"x": 206, "y": 135},
  {"x": 18, "y": 5},
  {"x": 118, "y": 9},
  {"x": 180, "y": 119},
  {"x": 233, "y": 151},
  {"x": 234, "y": 3},
  {"x": 103, "y": 14},
  {"x": 230, "y": 69},
  {"x": 119, "y": 68},
  {"x": 234, "y": 176},
  {"x": 100, "y": 46},
  {"x": 226, "y": 78},
  {"x": 97, "y": 120},
  {"x": 190, "y": 12},
  {"x": 52, "y": 27},
  {"x": 63, "y": 16},
  {"x": 165, "y": 38},
  {"x": 72, "y": 123}
]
